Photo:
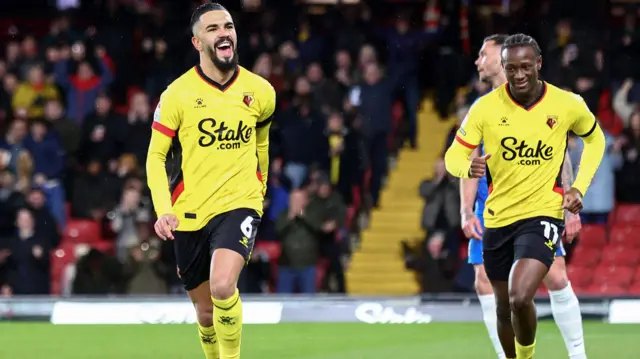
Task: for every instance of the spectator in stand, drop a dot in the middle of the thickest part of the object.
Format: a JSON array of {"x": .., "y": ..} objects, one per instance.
[
  {"x": 404, "y": 56},
  {"x": 345, "y": 153},
  {"x": 299, "y": 229},
  {"x": 10, "y": 201},
  {"x": 302, "y": 127},
  {"x": 325, "y": 92},
  {"x": 91, "y": 194},
  {"x": 100, "y": 133},
  {"x": 135, "y": 133},
  {"x": 5, "y": 253},
  {"x": 67, "y": 130},
  {"x": 13, "y": 57},
  {"x": 276, "y": 200},
  {"x": 142, "y": 265},
  {"x": 621, "y": 104},
  {"x": 441, "y": 222},
  {"x": 628, "y": 178},
  {"x": 160, "y": 67},
  {"x": 326, "y": 201},
  {"x": 34, "y": 93},
  {"x": 48, "y": 160},
  {"x": 14, "y": 143},
  {"x": 373, "y": 98},
  {"x": 29, "y": 271},
  {"x": 599, "y": 201},
  {"x": 82, "y": 87},
  {"x": 344, "y": 74},
  {"x": 126, "y": 220},
  {"x": 98, "y": 273},
  {"x": 45, "y": 222}
]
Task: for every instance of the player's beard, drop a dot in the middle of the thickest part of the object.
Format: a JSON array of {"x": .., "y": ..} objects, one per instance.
[{"x": 222, "y": 64}]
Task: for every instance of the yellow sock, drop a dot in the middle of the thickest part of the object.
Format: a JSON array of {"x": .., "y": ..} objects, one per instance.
[
  {"x": 525, "y": 352},
  {"x": 227, "y": 319},
  {"x": 209, "y": 342}
]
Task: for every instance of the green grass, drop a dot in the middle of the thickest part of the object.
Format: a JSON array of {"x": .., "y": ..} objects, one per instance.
[{"x": 300, "y": 341}]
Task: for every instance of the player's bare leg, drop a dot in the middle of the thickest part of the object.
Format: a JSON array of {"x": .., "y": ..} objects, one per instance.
[
  {"x": 226, "y": 266},
  {"x": 488, "y": 305},
  {"x": 503, "y": 311},
  {"x": 525, "y": 279},
  {"x": 201, "y": 298},
  {"x": 565, "y": 308}
]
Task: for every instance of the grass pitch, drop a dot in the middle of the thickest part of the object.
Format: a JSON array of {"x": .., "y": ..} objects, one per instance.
[{"x": 300, "y": 341}]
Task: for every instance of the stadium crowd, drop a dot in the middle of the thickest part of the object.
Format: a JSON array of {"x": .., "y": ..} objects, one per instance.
[
  {"x": 577, "y": 58},
  {"x": 78, "y": 95}
]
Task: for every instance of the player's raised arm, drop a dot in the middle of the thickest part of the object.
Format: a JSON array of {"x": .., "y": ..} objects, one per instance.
[
  {"x": 268, "y": 104},
  {"x": 586, "y": 126},
  {"x": 456, "y": 159},
  {"x": 166, "y": 121}
]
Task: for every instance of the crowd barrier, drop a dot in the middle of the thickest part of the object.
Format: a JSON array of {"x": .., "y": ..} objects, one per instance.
[{"x": 291, "y": 309}]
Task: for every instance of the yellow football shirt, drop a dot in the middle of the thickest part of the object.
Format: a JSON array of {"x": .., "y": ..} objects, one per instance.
[
  {"x": 209, "y": 151},
  {"x": 527, "y": 147}
]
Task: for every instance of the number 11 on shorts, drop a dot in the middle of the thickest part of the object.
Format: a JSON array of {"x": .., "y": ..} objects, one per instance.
[{"x": 548, "y": 227}]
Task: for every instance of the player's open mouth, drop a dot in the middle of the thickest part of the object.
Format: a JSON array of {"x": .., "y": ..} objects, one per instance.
[{"x": 225, "y": 49}]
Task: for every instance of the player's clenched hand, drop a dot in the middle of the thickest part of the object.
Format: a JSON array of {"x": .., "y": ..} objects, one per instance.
[
  {"x": 165, "y": 225},
  {"x": 471, "y": 226},
  {"x": 479, "y": 166},
  {"x": 572, "y": 201},
  {"x": 572, "y": 226}
]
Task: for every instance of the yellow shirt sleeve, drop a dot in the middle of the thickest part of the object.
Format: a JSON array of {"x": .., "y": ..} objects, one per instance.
[
  {"x": 456, "y": 159},
  {"x": 166, "y": 121},
  {"x": 262, "y": 130},
  {"x": 586, "y": 126}
]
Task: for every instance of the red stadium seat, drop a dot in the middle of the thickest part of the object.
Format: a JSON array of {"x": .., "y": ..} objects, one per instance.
[
  {"x": 594, "y": 236},
  {"x": 615, "y": 276},
  {"x": 623, "y": 235},
  {"x": 628, "y": 214},
  {"x": 634, "y": 289},
  {"x": 606, "y": 289},
  {"x": 637, "y": 275},
  {"x": 273, "y": 249},
  {"x": 620, "y": 256},
  {"x": 580, "y": 276},
  {"x": 585, "y": 256},
  {"x": 580, "y": 290},
  {"x": 82, "y": 231},
  {"x": 107, "y": 247},
  {"x": 67, "y": 209}
]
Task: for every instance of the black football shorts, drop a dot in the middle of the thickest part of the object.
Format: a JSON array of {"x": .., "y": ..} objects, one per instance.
[
  {"x": 235, "y": 230},
  {"x": 537, "y": 238}
]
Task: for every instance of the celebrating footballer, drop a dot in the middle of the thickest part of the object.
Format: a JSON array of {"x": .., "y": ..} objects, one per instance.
[
  {"x": 207, "y": 169},
  {"x": 523, "y": 126},
  {"x": 473, "y": 195}
]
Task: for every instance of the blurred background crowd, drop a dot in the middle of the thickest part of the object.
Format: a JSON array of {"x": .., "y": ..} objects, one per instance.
[{"x": 80, "y": 80}]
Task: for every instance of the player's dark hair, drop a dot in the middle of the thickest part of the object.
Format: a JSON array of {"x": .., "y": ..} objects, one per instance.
[
  {"x": 522, "y": 40},
  {"x": 498, "y": 39},
  {"x": 203, "y": 9}
]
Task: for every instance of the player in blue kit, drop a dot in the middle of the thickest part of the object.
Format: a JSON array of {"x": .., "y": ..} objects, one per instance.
[{"x": 474, "y": 193}]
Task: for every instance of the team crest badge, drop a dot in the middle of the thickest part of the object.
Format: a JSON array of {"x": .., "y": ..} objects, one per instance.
[
  {"x": 248, "y": 99},
  {"x": 552, "y": 121}
]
